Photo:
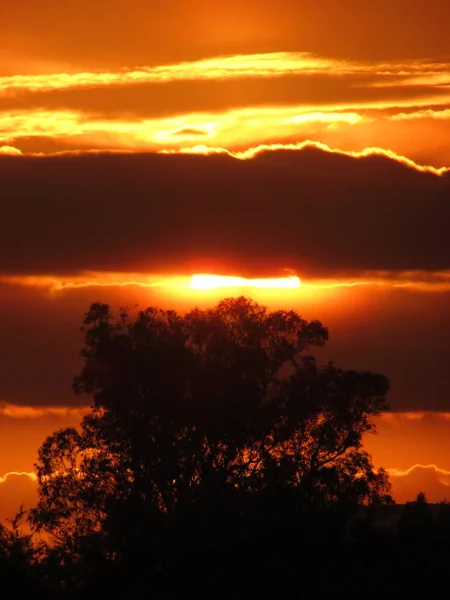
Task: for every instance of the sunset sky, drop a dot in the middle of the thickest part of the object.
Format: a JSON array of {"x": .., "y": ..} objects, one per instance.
[{"x": 143, "y": 143}]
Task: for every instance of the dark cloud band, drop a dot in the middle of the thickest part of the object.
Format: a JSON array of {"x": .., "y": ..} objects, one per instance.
[{"x": 313, "y": 211}]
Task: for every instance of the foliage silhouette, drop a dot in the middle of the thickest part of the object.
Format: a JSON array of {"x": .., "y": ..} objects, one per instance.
[
  {"x": 219, "y": 458},
  {"x": 20, "y": 557},
  {"x": 209, "y": 431}
]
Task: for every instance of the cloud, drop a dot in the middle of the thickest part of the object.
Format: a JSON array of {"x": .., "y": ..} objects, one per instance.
[
  {"x": 189, "y": 132},
  {"x": 350, "y": 126},
  {"x": 232, "y": 101},
  {"x": 17, "y": 489},
  {"x": 426, "y": 113},
  {"x": 405, "y": 472},
  {"x": 398, "y": 418},
  {"x": 31, "y": 476},
  {"x": 367, "y": 152},
  {"x": 252, "y": 65},
  {"x": 16, "y": 411},
  {"x": 10, "y": 150},
  {"x": 264, "y": 65},
  {"x": 268, "y": 65},
  {"x": 86, "y": 130},
  {"x": 374, "y": 211},
  {"x": 431, "y": 479}
]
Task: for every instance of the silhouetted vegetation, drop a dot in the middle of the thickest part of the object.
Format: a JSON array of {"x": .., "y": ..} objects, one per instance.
[{"x": 219, "y": 458}]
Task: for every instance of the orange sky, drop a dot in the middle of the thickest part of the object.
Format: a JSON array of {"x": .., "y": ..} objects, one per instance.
[
  {"x": 357, "y": 208},
  {"x": 235, "y": 75},
  {"x": 368, "y": 329}
]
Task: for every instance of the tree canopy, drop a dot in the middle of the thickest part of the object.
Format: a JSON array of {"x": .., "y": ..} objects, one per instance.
[
  {"x": 223, "y": 401},
  {"x": 206, "y": 429}
]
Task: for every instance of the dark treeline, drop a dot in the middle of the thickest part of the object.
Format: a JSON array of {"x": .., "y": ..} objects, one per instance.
[{"x": 219, "y": 459}]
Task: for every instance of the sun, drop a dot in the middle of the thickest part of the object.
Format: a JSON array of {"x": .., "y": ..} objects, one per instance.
[{"x": 213, "y": 282}]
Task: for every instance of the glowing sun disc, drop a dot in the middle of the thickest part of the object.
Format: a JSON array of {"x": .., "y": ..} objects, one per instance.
[{"x": 213, "y": 282}]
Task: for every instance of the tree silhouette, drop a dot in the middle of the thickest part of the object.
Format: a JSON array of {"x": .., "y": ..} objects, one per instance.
[
  {"x": 416, "y": 523},
  {"x": 20, "y": 556},
  {"x": 206, "y": 430}
]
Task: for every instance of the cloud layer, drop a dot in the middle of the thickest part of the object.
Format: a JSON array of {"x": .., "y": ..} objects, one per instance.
[
  {"x": 232, "y": 101},
  {"x": 314, "y": 211}
]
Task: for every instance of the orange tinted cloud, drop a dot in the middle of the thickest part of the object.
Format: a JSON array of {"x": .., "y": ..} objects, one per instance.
[
  {"x": 240, "y": 128},
  {"x": 253, "y": 65},
  {"x": 357, "y": 130},
  {"x": 414, "y": 280},
  {"x": 398, "y": 418},
  {"x": 54, "y": 284},
  {"x": 16, "y": 411},
  {"x": 252, "y": 152},
  {"x": 33, "y": 119},
  {"x": 84, "y": 130},
  {"x": 268, "y": 65},
  {"x": 10, "y": 150},
  {"x": 426, "y": 113},
  {"x": 394, "y": 472},
  {"x": 32, "y": 476}
]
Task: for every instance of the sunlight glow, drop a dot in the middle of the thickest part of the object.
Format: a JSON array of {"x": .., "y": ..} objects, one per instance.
[
  {"x": 212, "y": 282},
  {"x": 420, "y": 281}
]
